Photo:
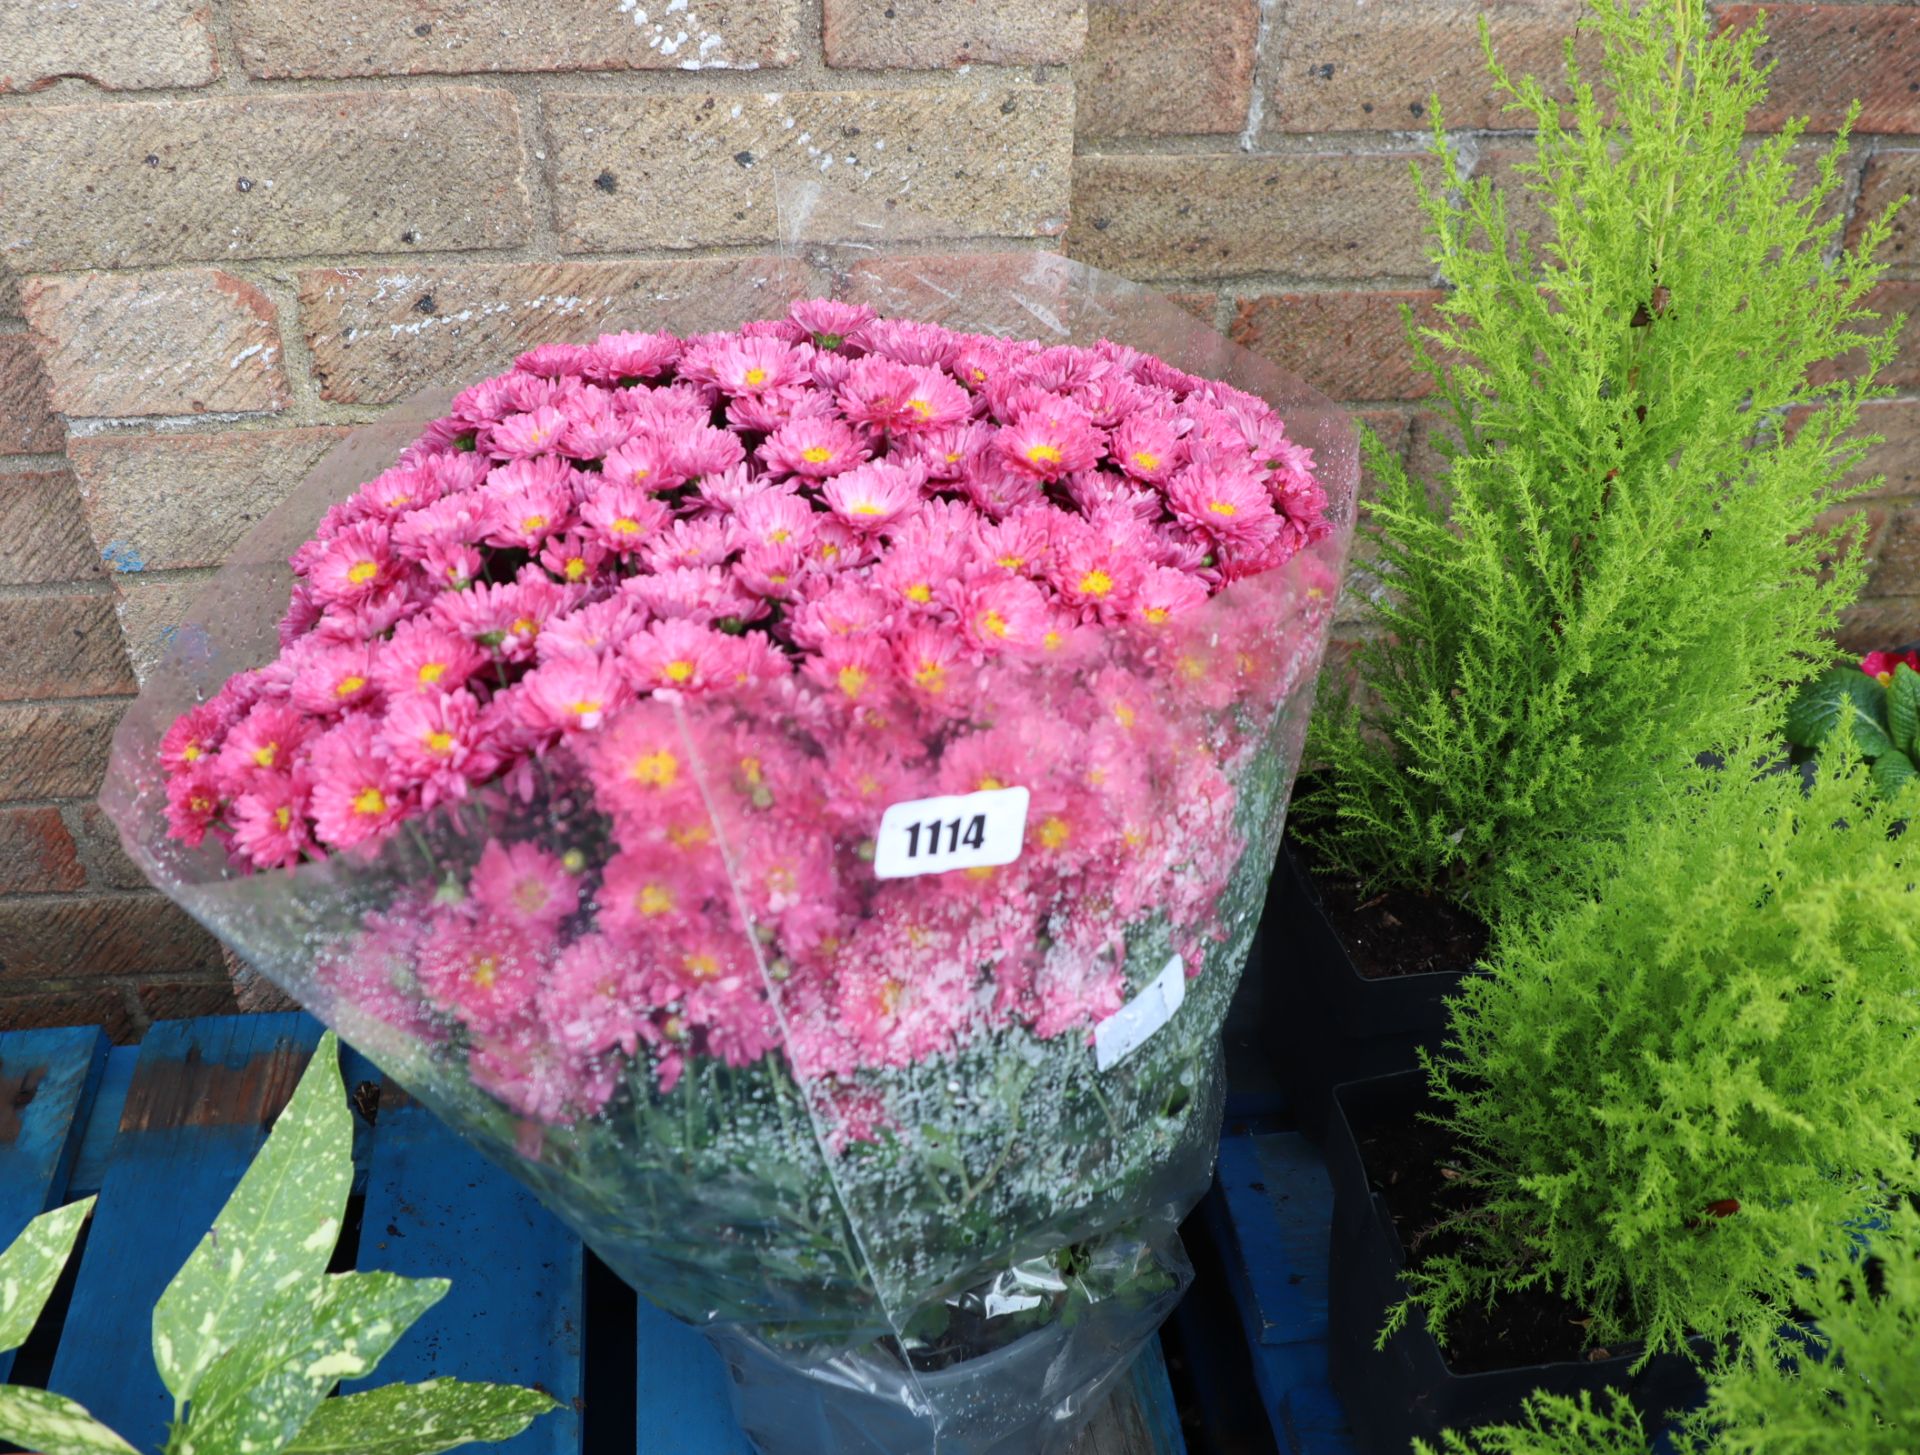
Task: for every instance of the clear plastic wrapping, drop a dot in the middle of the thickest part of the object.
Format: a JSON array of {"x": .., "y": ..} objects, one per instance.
[{"x": 864, "y": 1130}]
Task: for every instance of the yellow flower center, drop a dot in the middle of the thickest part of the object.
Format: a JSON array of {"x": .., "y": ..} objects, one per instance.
[
  {"x": 652, "y": 900},
  {"x": 659, "y": 770},
  {"x": 993, "y": 623},
  {"x": 853, "y": 680},
  {"x": 1013, "y": 563},
  {"x": 750, "y": 767},
  {"x": 931, "y": 676},
  {"x": 701, "y": 966},
  {"x": 1223, "y": 507},
  {"x": 529, "y": 896},
  {"x": 988, "y": 782},
  {"x": 921, "y": 408},
  {"x": 361, "y": 572},
  {"x": 573, "y": 861},
  {"x": 889, "y": 997},
  {"x": 585, "y": 708},
  {"x": 432, "y": 671},
  {"x": 533, "y": 522},
  {"x": 486, "y": 969},
  {"x": 778, "y": 535},
  {"x": 1146, "y": 460},
  {"x": 282, "y": 816},
  {"x": 920, "y": 591},
  {"x": 1044, "y": 454},
  {"x": 816, "y": 454},
  {"x": 679, "y": 670},
  {"x": 370, "y": 801},
  {"x": 1885, "y": 679},
  {"x": 439, "y": 743},
  {"x": 626, "y": 525},
  {"x": 190, "y": 753},
  {"x": 348, "y": 685},
  {"x": 864, "y": 507},
  {"x": 264, "y": 755},
  {"x": 1054, "y": 832},
  {"x": 576, "y": 568},
  {"x": 200, "y": 803},
  {"x": 525, "y": 626},
  {"x": 1051, "y": 640},
  {"x": 1155, "y": 614},
  {"x": 756, "y": 376},
  {"x": 1096, "y": 583},
  {"x": 1123, "y": 714}
]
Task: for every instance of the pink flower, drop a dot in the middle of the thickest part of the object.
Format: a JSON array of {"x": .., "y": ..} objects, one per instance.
[
  {"x": 484, "y": 970},
  {"x": 621, "y": 517},
  {"x": 193, "y": 804},
  {"x": 743, "y": 365},
  {"x": 1147, "y": 445},
  {"x": 356, "y": 797},
  {"x": 875, "y": 393},
  {"x": 816, "y": 448},
  {"x": 575, "y": 694},
  {"x": 537, "y": 432},
  {"x": 355, "y": 565},
  {"x": 681, "y": 655},
  {"x": 620, "y": 358},
  {"x": 431, "y": 742},
  {"x": 263, "y": 744},
  {"x": 1003, "y": 613},
  {"x": 829, "y": 324},
  {"x": 1165, "y": 593},
  {"x": 424, "y": 657},
  {"x": 874, "y": 496},
  {"x": 1050, "y": 440},
  {"x": 646, "y": 461},
  {"x": 194, "y": 737},
  {"x": 331, "y": 678},
  {"x": 524, "y": 884},
  {"x": 776, "y": 520},
  {"x": 270, "y": 826},
  {"x": 594, "y": 999},
  {"x": 1228, "y": 504}
]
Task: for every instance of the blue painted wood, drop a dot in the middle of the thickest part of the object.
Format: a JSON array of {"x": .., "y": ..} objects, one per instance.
[
  {"x": 436, "y": 1207},
  {"x": 682, "y": 1391},
  {"x": 103, "y": 1125},
  {"x": 196, "y": 1111},
  {"x": 1152, "y": 1394},
  {"x": 48, "y": 1080},
  {"x": 1270, "y": 1216}
]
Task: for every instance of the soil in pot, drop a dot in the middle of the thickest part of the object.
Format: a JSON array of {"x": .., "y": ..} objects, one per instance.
[{"x": 1394, "y": 932}]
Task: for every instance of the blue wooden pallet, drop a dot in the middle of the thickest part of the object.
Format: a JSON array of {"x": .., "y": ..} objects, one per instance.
[
  {"x": 164, "y": 1130},
  {"x": 1270, "y": 1215}
]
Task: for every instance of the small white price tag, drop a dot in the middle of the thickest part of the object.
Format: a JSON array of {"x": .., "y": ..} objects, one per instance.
[
  {"x": 958, "y": 831},
  {"x": 1122, "y": 1033}
]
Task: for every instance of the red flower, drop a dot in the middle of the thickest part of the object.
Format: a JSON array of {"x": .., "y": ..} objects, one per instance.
[{"x": 1880, "y": 665}]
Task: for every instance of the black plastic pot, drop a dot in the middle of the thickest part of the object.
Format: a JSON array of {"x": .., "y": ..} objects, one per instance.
[
  {"x": 1406, "y": 1390},
  {"x": 1325, "y": 1022}
]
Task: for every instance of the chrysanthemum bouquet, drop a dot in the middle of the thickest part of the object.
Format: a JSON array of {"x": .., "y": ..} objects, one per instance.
[{"x": 800, "y": 797}]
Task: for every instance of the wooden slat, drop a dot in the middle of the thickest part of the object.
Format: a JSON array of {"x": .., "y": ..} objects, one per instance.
[
  {"x": 103, "y": 1124},
  {"x": 1139, "y": 1417},
  {"x": 202, "y": 1095},
  {"x": 436, "y": 1207},
  {"x": 48, "y": 1080},
  {"x": 1270, "y": 1217},
  {"x": 681, "y": 1389}
]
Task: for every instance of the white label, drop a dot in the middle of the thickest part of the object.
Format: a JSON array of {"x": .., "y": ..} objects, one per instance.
[
  {"x": 1126, "y": 1030},
  {"x": 959, "y": 831},
  {"x": 997, "y": 1304}
]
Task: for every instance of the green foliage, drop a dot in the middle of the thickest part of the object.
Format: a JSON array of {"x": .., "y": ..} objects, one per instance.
[
  {"x": 1626, "y": 563},
  {"x": 253, "y": 1333},
  {"x": 1855, "y": 1385},
  {"x": 1552, "y": 1424},
  {"x": 1884, "y": 719},
  {"x": 1661, "y": 1088}
]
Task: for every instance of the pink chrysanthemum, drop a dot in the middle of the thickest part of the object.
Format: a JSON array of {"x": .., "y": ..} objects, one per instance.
[
  {"x": 815, "y": 448},
  {"x": 873, "y": 497},
  {"x": 524, "y": 884},
  {"x": 356, "y": 795}
]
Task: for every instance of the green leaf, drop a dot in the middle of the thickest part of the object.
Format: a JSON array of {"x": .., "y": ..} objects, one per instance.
[
  {"x": 1892, "y": 772},
  {"x": 419, "y": 1419},
  {"x": 31, "y": 1267},
  {"x": 1843, "y": 692},
  {"x": 276, "y": 1232},
  {"x": 260, "y": 1394},
  {"x": 1903, "y": 709},
  {"x": 35, "y": 1419}
]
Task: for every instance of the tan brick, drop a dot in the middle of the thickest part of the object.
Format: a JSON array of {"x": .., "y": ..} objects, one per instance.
[
  {"x": 156, "y": 502},
  {"x": 1826, "y": 55},
  {"x": 220, "y": 178},
  {"x": 132, "y": 45},
  {"x": 194, "y": 341},
  {"x": 37, "y": 853},
  {"x": 377, "y": 334},
  {"x": 152, "y": 607},
  {"x": 1347, "y": 345},
  {"x": 922, "y": 35},
  {"x": 403, "y": 38},
  {"x": 42, "y": 536},
  {"x": 1889, "y": 177},
  {"x": 56, "y": 750},
  {"x": 1167, "y": 68},
  {"x": 122, "y": 934},
  {"x": 94, "y": 1005},
  {"x": 1896, "y": 552},
  {"x": 1880, "y": 622},
  {"x": 1307, "y": 216},
  {"x": 954, "y": 162},
  {"x": 98, "y": 843},
  {"x": 1888, "y": 300},
  {"x": 1896, "y": 459},
  {"x": 9, "y": 292},
  {"x": 60, "y": 645},
  {"x": 1347, "y": 67},
  {"x": 28, "y": 425}
]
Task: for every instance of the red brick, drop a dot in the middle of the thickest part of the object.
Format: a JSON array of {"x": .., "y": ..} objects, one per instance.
[
  {"x": 391, "y": 37},
  {"x": 1880, "y": 622},
  {"x": 37, "y": 853},
  {"x": 56, "y": 749},
  {"x": 188, "y": 342},
  {"x": 252, "y": 991},
  {"x": 1307, "y": 215},
  {"x": 182, "y": 1000},
  {"x": 1350, "y": 346},
  {"x": 61, "y": 645},
  {"x": 1347, "y": 67},
  {"x": 1903, "y": 374},
  {"x": 158, "y": 502},
  {"x": 124, "y": 47},
  {"x": 27, "y": 423},
  {"x": 1896, "y": 570},
  {"x": 1166, "y": 68},
  {"x": 1824, "y": 56},
  {"x": 97, "y": 935},
  {"x": 920, "y": 35},
  {"x": 1889, "y": 177},
  {"x": 42, "y": 537},
  {"x": 1896, "y": 459},
  {"x": 98, "y": 841},
  {"x": 1203, "y": 306},
  {"x": 92, "y": 1005}
]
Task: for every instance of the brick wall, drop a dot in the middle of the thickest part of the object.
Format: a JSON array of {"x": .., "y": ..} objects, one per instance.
[{"x": 238, "y": 227}]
